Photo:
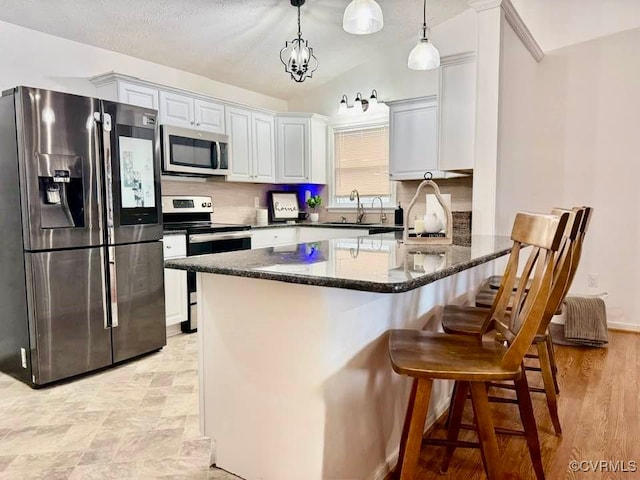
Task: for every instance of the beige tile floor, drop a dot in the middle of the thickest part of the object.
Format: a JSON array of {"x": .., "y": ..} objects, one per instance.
[{"x": 137, "y": 421}]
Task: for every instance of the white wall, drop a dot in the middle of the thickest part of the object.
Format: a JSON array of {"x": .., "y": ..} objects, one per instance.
[
  {"x": 37, "y": 59},
  {"x": 387, "y": 71},
  {"x": 528, "y": 176},
  {"x": 575, "y": 141}
]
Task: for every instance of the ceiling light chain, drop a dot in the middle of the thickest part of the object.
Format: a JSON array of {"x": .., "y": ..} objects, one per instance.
[{"x": 297, "y": 56}]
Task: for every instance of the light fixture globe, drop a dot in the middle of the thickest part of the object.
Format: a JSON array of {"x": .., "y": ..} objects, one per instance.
[
  {"x": 424, "y": 56},
  {"x": 362, "y": 17}
]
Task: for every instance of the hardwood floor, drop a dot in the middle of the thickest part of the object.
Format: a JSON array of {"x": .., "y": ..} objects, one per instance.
[{"x": 598, "y": 402}]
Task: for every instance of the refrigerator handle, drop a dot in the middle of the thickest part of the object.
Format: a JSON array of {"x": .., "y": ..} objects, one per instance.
[
  {"x": 108, "y": 175},
  {"x": 113, "y": 285},
  {"x": 105, "y": 307}
]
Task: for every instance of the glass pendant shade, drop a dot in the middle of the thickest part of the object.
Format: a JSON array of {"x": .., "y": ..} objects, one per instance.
[
  {"x": 362, "y": 17},
  {"x": 343, "y": 105},
  {"x": 424, "y": 56},
  {"x": 373, "y": 99}
]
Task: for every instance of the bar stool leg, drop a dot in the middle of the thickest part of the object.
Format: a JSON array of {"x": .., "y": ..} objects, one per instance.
[
  {"x": 460, "y": 392},
  {"x": 486, "y": 432},
  {"x": 554, "y": 365},
  {"x": 550, "y": 390},
  {"x": 453, "y": 398},
  {"x": 413, "y": 430},
  {"x": 529, "y": 422}
]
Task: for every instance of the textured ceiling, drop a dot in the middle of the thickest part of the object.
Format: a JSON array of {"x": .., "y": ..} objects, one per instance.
[
  {"x": 232, "y": 41},
  {"x": 558, "y": 23}
]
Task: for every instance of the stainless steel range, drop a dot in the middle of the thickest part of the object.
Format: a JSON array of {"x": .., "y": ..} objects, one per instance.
[{"x": 193, "y": 214}]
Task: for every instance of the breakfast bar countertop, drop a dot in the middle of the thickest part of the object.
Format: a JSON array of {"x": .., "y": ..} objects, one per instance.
[{"x": 374, "y": 263}]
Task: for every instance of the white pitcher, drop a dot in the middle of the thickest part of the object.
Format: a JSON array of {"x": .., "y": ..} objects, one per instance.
[{"x": 432, "y": 223}]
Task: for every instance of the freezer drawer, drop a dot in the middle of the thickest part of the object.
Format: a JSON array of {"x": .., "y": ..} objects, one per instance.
[
  {"x": 139, "y": 323},
  {"x": 67, "y": 302}
]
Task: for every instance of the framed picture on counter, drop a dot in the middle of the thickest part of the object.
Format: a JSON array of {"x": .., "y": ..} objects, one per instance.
[{"x": 283, "y": 206}]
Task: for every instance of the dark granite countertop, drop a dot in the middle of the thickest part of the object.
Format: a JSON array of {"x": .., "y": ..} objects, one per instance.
[
  {"x": 373, "y": 263},
  {"x": 174, "y": 232}
]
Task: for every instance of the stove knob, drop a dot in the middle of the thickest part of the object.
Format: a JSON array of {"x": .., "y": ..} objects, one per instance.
[
  {"x": 204, "y": 205},
  {"x": 209, "y": 204}
]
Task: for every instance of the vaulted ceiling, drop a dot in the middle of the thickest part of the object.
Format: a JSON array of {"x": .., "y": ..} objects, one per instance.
[
  {"x": 232, "y": 41},
  {"x": 238, "y": 41}
]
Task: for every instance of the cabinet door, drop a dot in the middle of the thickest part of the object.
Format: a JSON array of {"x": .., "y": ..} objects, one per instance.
[
  {"x": 293, "y": 150},
  {"x": 238, "y": 123},
  {"x": 264, "y": 147},
  {"x": 138, "y": 95},
  {"x": 413, "y": 139},
  {"x": 457, "y": 115},
  {"x": 271, "y": 237},
  {"x": 175, "y": 296},
  {"x": 209, "y": 116},
  {"x": 176, "y": 110}
]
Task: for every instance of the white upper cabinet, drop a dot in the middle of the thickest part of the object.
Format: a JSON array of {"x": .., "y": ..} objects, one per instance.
[
  {"x": 138, "y": 95},
  {"x": 119, "y": 88},
  {"x": 413, "y": 138},
  {"x": 239, "y": 130},
  {"x": 263, "y": 137},
  {"x": 188, "y": 112},
  {"x": 252, "y": 145},
  {"x": 209, "y": 116},
  {"x": 457, "y": 113},
  {"x": 301, "y": 148},
  {"x": 176, "y": 110}
]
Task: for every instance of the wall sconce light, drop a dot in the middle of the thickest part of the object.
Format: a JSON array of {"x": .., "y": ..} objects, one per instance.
[{"x": 360, "y": 104}]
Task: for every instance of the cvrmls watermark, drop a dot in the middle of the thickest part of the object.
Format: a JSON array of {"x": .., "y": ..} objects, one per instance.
[{"x": 600, "y": 466}]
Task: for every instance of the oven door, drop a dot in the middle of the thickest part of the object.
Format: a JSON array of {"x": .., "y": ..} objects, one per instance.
[
  {"x": 192, "y": 152},
  {"x": 202, "y": 244}
]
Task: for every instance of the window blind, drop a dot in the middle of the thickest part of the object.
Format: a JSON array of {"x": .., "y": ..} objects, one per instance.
[{"x": 362, "y": 162}]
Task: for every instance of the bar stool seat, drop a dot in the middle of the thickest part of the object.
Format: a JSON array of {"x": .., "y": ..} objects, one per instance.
[{"x": 417, "y": 353}]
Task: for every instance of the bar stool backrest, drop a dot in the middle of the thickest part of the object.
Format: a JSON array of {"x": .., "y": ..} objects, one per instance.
[{"x": 544, "y": 234}]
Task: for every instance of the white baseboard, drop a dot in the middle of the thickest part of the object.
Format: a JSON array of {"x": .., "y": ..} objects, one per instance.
[
  {"x": 173, "y": 330},
  {"x": 624, "y": 327},
  {"x": 433, "y": 415}
]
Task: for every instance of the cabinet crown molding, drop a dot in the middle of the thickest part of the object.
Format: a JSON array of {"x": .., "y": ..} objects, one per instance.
[
  {"x": 403, "y": 101},
  {"x": 458, "y": 58},
  {"x": 112, "y": 76}
]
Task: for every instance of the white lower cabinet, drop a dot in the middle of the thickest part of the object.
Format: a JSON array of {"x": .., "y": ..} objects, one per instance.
[
  {"x": 271, "y": 237},
  {"x": 176, "y": 297}
]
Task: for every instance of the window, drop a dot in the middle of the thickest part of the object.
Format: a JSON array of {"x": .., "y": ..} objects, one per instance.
[{"x": 361, "y": 162}]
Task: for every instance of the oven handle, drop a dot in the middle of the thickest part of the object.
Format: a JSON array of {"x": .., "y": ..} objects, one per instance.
[{"x": 212, "y": 237}]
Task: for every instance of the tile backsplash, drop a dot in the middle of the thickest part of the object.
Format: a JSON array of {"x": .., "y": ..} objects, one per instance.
[{"x": 234, "y": 202}]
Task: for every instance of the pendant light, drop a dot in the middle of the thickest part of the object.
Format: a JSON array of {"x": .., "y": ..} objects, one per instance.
[
  {"x": 424, "y": 55},
  {"x": 362, "y": 17},
  {"x": 297, "y": 56}
]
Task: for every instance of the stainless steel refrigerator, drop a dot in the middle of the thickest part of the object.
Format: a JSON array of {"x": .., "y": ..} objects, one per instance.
[{"x": 81, "y": 269}]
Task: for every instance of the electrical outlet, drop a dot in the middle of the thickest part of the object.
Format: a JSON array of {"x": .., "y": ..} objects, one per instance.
[
  {"x": 593, "y": 280},
  {"x": 256, "y": 202}
]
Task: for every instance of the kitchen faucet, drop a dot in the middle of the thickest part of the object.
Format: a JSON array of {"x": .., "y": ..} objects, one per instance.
[
  {"x": 360, "y": 213},
  {"x": 383, "y": 216}
]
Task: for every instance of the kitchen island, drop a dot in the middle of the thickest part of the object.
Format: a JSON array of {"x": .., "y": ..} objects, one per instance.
[{"x": 295, "y": 381}]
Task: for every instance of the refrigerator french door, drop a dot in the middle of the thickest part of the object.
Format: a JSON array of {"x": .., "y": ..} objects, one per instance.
[{"x": 89, "y": 187}]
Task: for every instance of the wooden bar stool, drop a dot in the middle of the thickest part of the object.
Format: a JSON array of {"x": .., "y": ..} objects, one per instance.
[
  {"x": 475, "y": 361},
  {"x": 470, "y": 320}
]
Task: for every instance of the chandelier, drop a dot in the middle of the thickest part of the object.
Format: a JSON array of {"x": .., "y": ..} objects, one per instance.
[{"x": 297, "y": 56}]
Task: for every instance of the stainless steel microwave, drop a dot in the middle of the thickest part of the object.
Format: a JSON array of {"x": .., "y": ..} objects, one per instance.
[{"x": 193, "y": 152}]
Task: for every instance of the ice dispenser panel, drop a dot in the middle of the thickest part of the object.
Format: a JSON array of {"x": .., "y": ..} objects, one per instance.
[{"x": 61, "y": 191}]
